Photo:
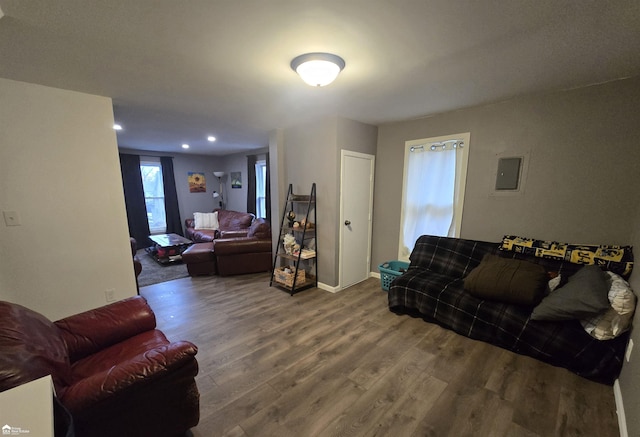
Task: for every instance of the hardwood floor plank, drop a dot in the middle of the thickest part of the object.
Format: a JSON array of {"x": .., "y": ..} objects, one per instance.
[
  {"x": 325, "y": 364},
  {"x": 403, "y": 417},
  {"x": 367, "y": 411},
  {"x": 385, "y": 353},
  {"x": 536, "y": 408},
  {"x": 577, "y": 411},
  {"x": 222, "y": 421}
]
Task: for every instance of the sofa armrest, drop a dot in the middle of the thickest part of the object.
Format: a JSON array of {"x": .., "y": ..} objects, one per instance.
[
  {"x": 93, "y": 330},
  {"x": 234, "y": 233},
  {"x": 233, "y": 246},
  {"x": 129, "y": 375}
]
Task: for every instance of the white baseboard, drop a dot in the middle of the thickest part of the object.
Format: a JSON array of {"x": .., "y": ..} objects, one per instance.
[
  {"x": 328, "y": 288},
  {"x": 622, "y": 420},
  {"x": 336, "y": 289}
]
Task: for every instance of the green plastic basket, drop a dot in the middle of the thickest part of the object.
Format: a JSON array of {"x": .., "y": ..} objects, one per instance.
[{"x": 390, "y": 271}]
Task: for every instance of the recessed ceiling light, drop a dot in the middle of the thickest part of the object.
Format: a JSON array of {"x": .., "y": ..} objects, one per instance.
[
  {"x": 117, "y": 127},
  {"x": 185, "y": 146},
  {"x": 211, "y": 138}
]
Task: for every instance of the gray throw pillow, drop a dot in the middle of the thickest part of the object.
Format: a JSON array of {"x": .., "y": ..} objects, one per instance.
[{"x": 585, "y": 295}]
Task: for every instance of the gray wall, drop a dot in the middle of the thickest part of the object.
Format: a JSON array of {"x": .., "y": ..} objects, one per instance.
[
  {"x": 237, "y": 197},
  {"x": 310, "y": 156},
  {"x": 188, "y": 202},
  {"x": 582, "y": 184},
  {"x": 310, "y": 153},
  {"x": 583, "y": 168},
  {"x": 630, "y": 376},
  {"x": 59, "y": 171}
]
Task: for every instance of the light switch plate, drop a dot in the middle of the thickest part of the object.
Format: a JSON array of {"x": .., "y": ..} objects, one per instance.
[{"x": 11, "y": 218}]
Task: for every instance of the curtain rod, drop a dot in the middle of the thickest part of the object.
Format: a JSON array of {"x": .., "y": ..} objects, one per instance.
[{"x": 439, "y": 145}]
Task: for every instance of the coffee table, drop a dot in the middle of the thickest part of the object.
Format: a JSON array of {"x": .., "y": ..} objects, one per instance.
[{"x": 168, "y": 248}]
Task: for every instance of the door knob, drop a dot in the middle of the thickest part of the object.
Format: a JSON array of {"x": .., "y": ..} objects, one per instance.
[{"x": 347, "y": 222}]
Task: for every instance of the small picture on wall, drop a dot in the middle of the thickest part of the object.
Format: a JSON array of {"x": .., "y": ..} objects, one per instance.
[
  {"x": 197, "y": 183},
  {"x": 236, "y": 179}
]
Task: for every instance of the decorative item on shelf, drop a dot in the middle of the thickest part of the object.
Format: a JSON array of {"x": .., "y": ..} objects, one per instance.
[
  {"x": 305, "y": 253},
  {"x": 305, "y": 224},
  {"x": 291, "y": 216},
  {"x": 296, "y": 225},
  {"x": 285, "y": 275},
  {"x": 289, "y": 242}
]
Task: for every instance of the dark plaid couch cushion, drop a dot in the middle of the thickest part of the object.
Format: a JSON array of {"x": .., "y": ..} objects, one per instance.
[
  {"x": 431, "y": 289},
  {"x": 449, "y": 256}
]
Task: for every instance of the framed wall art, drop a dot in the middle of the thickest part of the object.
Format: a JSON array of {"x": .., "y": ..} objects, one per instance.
[
  {"x": 197, "y": 182},
  {"x": 236, "y": 179}
]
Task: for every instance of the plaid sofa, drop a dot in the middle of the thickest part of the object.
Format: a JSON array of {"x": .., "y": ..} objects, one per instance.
[{"x": 433, "y": 288}]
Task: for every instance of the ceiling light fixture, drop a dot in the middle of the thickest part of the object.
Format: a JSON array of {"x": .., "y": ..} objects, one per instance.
[
  {"x": 117, "y": 127},
  {"x": 185, "y": 146},
  {"x": 318, "y": 69},
  {"x": 211, "y": 138}
]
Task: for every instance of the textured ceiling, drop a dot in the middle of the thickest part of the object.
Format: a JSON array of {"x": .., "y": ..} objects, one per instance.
[{"x": 180, "y": 70}]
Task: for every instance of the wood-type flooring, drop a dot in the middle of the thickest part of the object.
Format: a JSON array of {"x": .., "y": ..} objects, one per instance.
[{"x": 324, "y": 364}]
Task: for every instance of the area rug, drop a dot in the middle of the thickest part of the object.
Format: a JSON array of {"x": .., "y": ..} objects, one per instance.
[{"x": 153, "y": 273}]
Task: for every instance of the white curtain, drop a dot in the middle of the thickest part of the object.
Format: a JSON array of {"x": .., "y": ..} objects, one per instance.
[{"x": 430, "y": 194}]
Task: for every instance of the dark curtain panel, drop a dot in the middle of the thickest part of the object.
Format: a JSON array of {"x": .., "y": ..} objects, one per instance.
[
  {"x": 174, "y": 226},
  {"x": 134, "y": 199},
  {"x": 267, "y": 189},
  {"x": 251, "y": 183}
]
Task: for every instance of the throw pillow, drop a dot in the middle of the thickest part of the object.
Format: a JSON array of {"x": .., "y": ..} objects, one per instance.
[
  {"x": 618, "y": 259},
  {"x": 507, "y": 280},
  {"x": 206, "y": 220},
  {"x": 617, "y": 319},
  {"x": 584, "y": 295},
  {"x": 554, "y": 282}
]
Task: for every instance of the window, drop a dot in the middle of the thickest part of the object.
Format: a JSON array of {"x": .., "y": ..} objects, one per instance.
[
  {"x": 154, "y": 195},
  {"x": 433, "y": 189},
  {"x": 261, "y": 193}
]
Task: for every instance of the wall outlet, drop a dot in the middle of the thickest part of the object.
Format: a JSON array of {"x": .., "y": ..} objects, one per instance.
[
  {"x": 11, "y": 218},
  {"x": 110, "y": 295},
  {"x": 627, "y": 355}
]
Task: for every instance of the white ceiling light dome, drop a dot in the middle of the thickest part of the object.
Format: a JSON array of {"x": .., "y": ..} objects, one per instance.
[{"x": 318, "y": 69}]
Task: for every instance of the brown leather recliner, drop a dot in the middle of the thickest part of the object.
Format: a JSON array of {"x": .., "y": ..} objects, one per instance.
[
  {"x": 115, "y": 373},
  {"x": 249, "y": 254}
]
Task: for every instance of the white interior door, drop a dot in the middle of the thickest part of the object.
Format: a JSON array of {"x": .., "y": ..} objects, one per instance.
[{"x": 356, "y": 206}]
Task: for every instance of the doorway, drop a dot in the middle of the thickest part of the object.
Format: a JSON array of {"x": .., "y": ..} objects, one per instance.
[{"x": 356, "y": 209}]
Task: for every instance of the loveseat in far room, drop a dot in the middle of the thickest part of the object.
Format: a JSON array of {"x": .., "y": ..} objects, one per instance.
[
  {"x": 501, "y": 293},
  {"x": 225, "y": 256},
  {"x": 221, "y": 223}
]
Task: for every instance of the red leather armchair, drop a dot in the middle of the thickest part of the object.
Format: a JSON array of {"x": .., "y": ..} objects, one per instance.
[{"x": 115, "y": 373}]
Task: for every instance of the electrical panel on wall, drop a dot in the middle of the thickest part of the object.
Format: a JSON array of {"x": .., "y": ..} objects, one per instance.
[
  {"x": 508, "y": 176},
  {"x": 510, "y": 173}
]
